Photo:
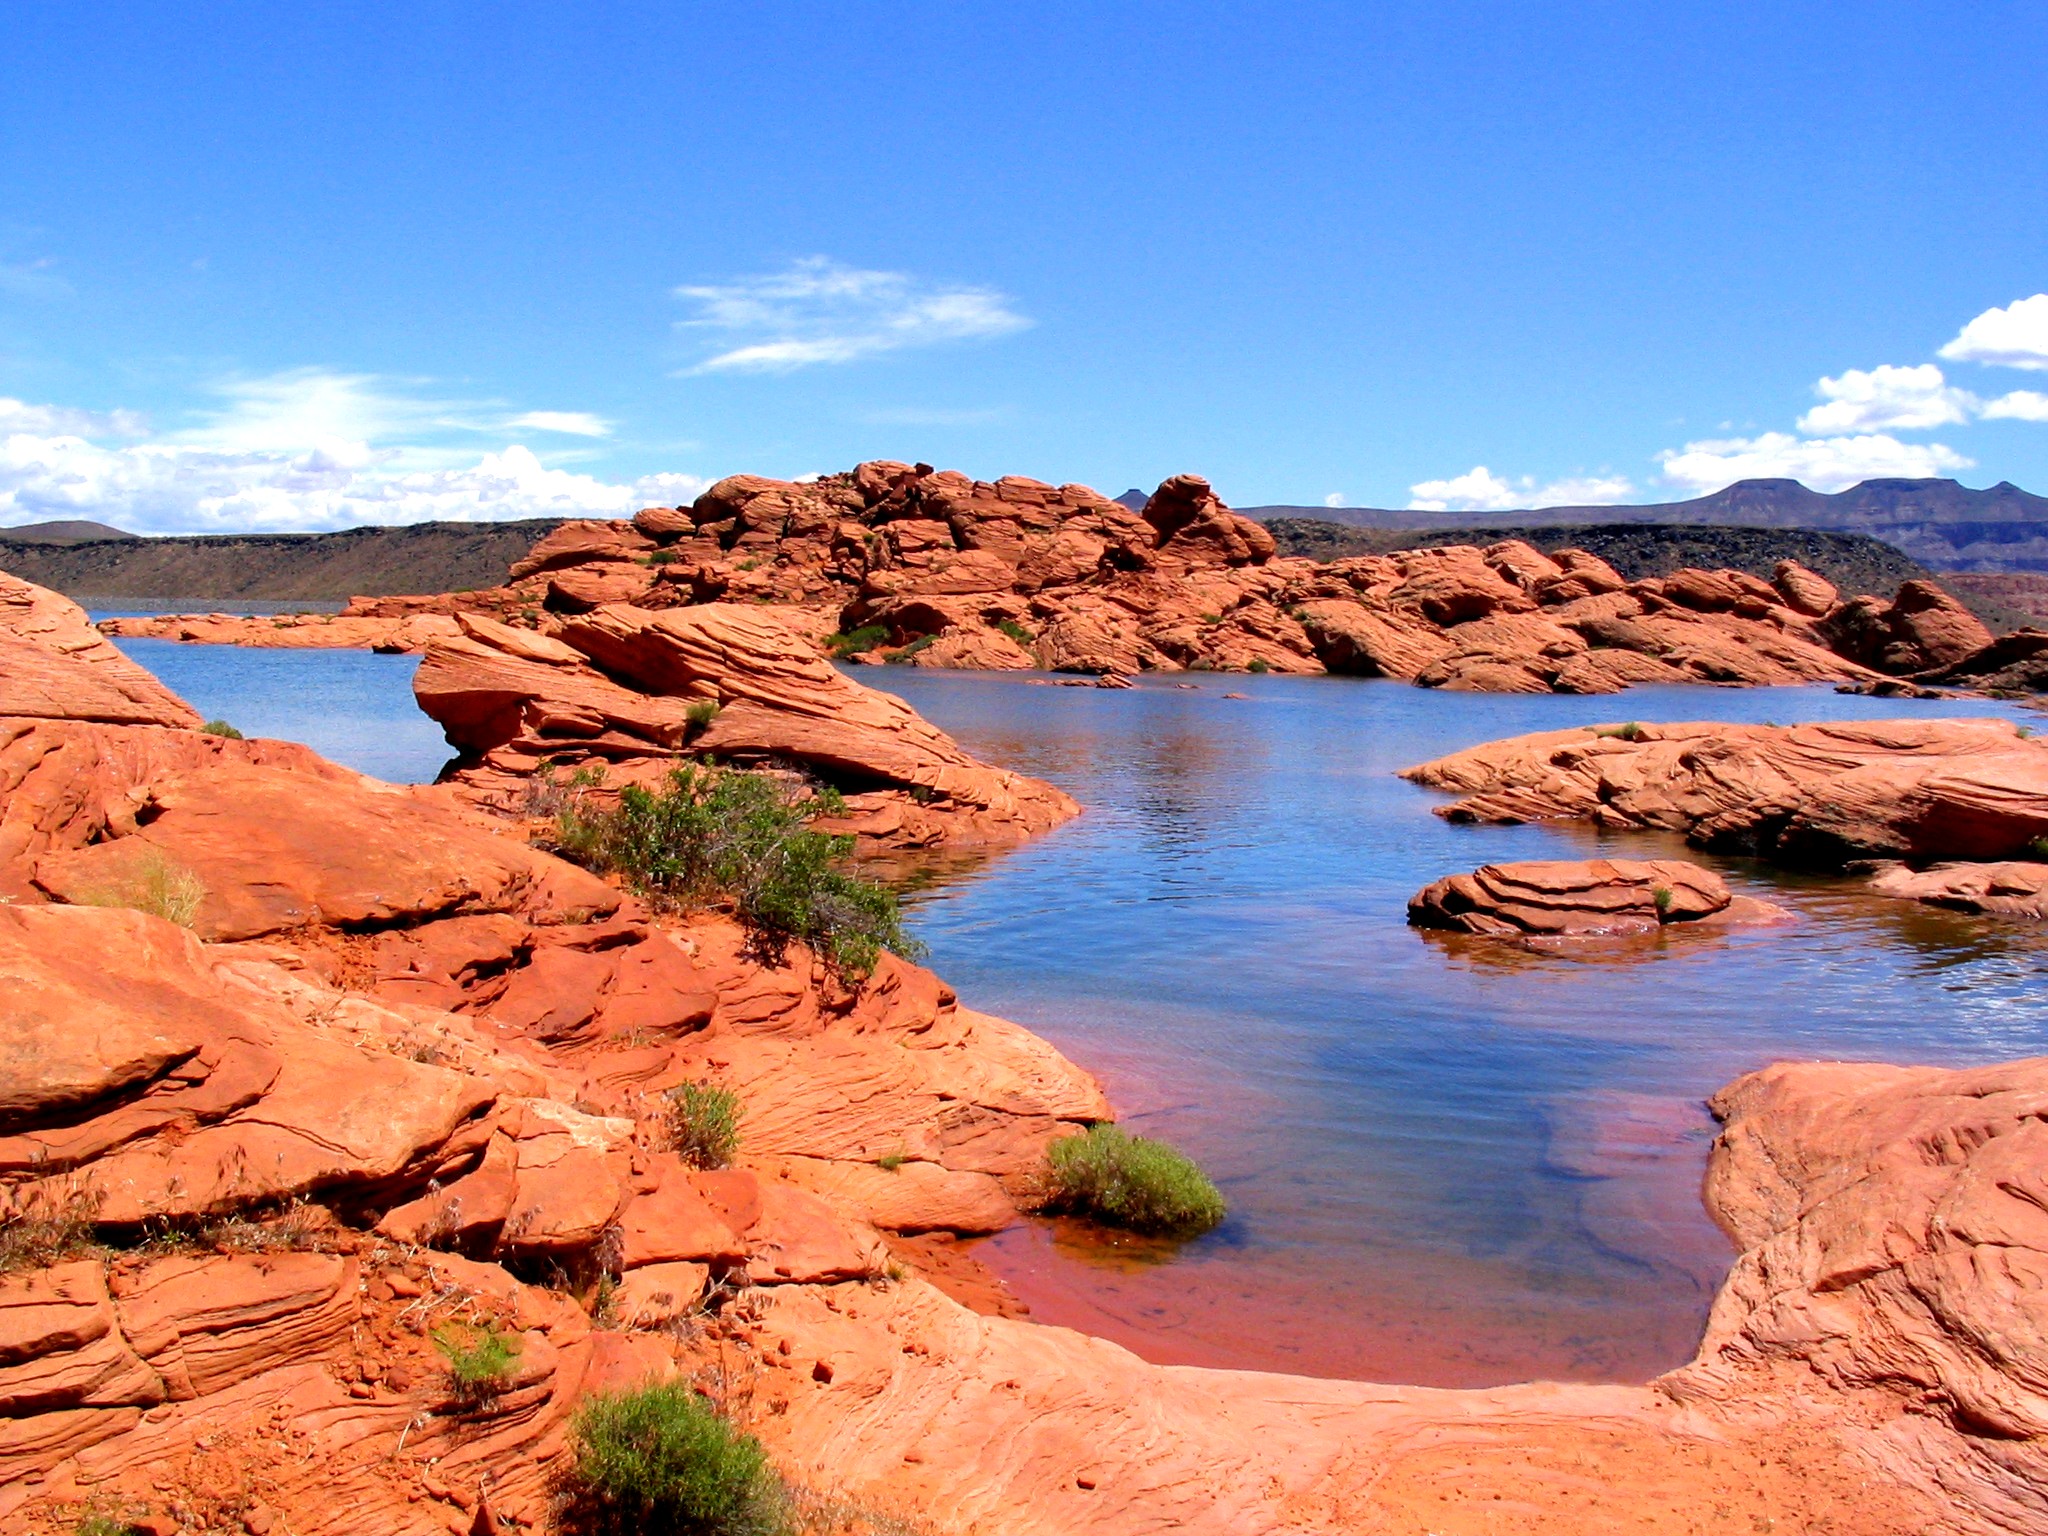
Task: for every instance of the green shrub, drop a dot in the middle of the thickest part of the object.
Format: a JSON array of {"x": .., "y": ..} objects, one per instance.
[
  {"x": 1131, "y": 1182},
  {"x": 704, "y": 1124},
  {"x": 479, "y": 1360},
  {"x": 701, "y": 714},
  {"x": 1016, "y": 631},
  {"x": 1258, "y": 664},
  {"x": 662, "y": 557},
  {"x": 1660, "y": 895},
  {"x": 156, "y": 886},
  {"x": 866, "y": 638},
  {"x": 1629, "y": 732},
  {"x": 2039, "y": 848},
  {"x": 97, "y": 1524},
  {"x": 220, "y": 728},
  {"x": 912, "y": 649},
  {"x": 660, "y": 1460},
  {"x": 719, "y": 835}
]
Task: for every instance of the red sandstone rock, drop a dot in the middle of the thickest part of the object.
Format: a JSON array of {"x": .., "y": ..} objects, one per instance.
[
  {"x": 1914, "y": 789},
  {"x": 1922, "y": 628},
  {"x": 618, "y": 685},
  {"x": 1805, "y": 592},
  {"x": 2010, "y": 889},
  {"x": 298, "y": 631},
  {"x": 1572, "y": 897},
  {"x": 55, "y": 666}
]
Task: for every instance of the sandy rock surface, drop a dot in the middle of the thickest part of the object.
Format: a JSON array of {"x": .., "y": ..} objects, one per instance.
[{"x": 289, "y": 631}]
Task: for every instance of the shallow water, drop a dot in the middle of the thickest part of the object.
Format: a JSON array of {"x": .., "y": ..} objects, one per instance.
[{"x": 1449, "y": 1162}]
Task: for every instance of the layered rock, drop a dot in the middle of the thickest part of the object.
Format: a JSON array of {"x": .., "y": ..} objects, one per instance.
[
  {"x": 55, "y": 666},
  {"x": 2010, "y": 888},
  {"x": 636, "y": 691},
  {"x": 1575, "y": 898},
  {"x": 1818, "y": 794}
]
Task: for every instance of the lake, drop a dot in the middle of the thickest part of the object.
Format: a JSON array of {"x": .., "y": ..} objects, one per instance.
[{"x": 1449, "y": 1162}]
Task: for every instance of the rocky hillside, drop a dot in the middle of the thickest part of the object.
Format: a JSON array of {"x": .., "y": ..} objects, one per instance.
[
  {"x": 257, "y": 567},
  {"x": 1941, "y": 524}
]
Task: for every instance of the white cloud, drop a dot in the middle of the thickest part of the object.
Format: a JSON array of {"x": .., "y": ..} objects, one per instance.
[
  {"x": 817, "y": 310},
  {"x": 1886, "y": 398},
  {"x": 20, "y": 416},
  {"x": 573, "y": 423},
  {"x": 1334, "y": 499},
  {"x": 1825, "y": 464},
  {"x": 1479, "y": 489},
  {"x": 2013, "y": 337},
  {"x": 2020, "y": 405},
  {"x": 295, "y": 451}
]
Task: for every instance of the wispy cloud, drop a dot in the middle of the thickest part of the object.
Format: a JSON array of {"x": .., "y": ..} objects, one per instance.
[
  {"x": 304, "y": 449},
  {"x": 570, "y": 423},
  {"x": 1479, "y": 489},
  {"x": 2020, "y": 405},
  {"x": 2015, "y": 336},
  {"x": 817, "y": 310}
]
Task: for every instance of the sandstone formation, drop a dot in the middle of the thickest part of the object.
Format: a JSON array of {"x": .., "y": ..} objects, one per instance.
[
  {"x": 55, "y": 665},
  {"x": 401, "y": 1067},
  {"x": 1574, "y": 898},
  {"x": 1820, "y": 794},
  {"x": 632, "y": 691},
  {"x": 936, "y": 569}
]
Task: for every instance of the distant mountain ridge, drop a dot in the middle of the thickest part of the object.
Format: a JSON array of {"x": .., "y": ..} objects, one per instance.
[{"x": 1943, "y": 525}]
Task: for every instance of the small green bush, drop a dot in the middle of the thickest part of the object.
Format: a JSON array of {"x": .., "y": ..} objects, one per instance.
[
  {"x": 1130, "y": 1182},
  {"x": 717, "y": 835},
  {"x": 97, "y": 1524},
  {"x": 662, "y": 557},
  {"x": 912, "y": 649},
  {"x": 1660, "y": 895},
  {"x": 156, "y": 886},
  {"x": 1629, "y": 732},
  {"x": 220, "y": 728},
  {"x": 1258, "y": 664},
  {"x": 480, "y": 1361},
  {"x": 2039, "y": 848},
  {"x": 701, "y": 714},
  {"x": 704, "y": 1124},
  {"x": 866, "y": 638},
  {"x": 660, "y": 1460},
  {"x": 1016, "y": 631}
]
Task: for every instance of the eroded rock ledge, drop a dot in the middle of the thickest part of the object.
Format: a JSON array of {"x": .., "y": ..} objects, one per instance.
[{"x": 1564, "y": 899}]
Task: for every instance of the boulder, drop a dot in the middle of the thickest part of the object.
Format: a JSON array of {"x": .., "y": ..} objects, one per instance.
[{"x": 1571, "y": 897}]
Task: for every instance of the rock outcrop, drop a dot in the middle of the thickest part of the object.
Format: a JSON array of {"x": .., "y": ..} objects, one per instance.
[
  {"x": 1819, "y": 795},
  {"x": 2010, "y": 888},
  {"x": 635, "y": 691},
  {"x": 1576, "y": 898},
  {"x": 55, "y": 666},
  {"x": 935, "y": 569}
]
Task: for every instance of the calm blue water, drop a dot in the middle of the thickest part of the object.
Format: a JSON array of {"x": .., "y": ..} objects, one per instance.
[
  {"x": 1449, "y": 1162},
  {"x": 353, "y": 706}
]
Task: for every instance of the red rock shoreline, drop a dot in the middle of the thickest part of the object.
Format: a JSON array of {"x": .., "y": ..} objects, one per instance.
[{"x": 401, "y": 1066}]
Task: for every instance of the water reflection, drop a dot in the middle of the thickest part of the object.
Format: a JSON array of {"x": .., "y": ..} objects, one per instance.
[{"x": 1449, "y": 1162}]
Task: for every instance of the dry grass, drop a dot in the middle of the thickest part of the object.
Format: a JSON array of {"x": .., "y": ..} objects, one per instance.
[
  {"x": 156, "y": 885},
  {"x": 52, "y": 1224}
]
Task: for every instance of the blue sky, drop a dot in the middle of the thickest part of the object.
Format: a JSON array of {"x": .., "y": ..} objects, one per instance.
[{"x": 274, "y": 266}]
